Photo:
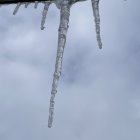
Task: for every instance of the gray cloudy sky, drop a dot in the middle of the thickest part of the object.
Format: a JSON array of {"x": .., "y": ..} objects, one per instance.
[{"x": 99, "y": 90}]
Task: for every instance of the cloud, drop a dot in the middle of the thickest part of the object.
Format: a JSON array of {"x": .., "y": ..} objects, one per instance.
[{"x": 98, "y": 94}]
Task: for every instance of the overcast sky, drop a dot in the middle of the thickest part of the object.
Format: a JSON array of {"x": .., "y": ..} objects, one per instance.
[{"x": 99, "y": 91}]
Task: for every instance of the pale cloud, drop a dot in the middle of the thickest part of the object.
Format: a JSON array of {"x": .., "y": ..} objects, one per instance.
[{"x": 98, "y": 94}]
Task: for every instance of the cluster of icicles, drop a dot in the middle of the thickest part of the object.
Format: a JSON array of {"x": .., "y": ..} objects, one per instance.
[{"x": 64, "y": 6}]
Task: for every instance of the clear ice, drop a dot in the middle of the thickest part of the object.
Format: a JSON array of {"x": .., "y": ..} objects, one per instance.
[
  {"x": 95, "y": 7},
  {"x": 62, "y": 32},
  {"x": 64, "y": 6},
  {"x": 44, "y": 14},
  {"x": 26, "y": 4},
  {"x": 36, "y": 4},
  {"x": 17, "y": 8}
]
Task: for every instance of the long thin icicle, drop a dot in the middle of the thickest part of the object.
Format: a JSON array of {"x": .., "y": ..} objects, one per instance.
[
  {"x": 17, "y": 8},
  {"x": 95, "y": 6},
  {"x": 64, "y": 20},
  {"x": 44, "y": 14}
]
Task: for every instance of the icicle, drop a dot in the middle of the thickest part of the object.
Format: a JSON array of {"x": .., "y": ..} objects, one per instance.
[
  {"x": 44, "y": 14},
  {"x": 95, "y": 6},
  {"x": 26, "y": 4},
  {"x": 17, "y": 8},
  {"x": 64, "y": 20},
  {"x": 36, "y": 4}
]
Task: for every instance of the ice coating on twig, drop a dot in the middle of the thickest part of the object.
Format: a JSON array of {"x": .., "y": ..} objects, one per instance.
[
  {"x": 44, "y": 14},
  {"x": 17, "y": 8},
  {"x": 64, "y": 20},
  {"x": 95, "y": 6}
]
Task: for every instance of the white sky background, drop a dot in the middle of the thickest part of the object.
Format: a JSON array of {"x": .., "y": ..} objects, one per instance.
[{"x": 99, "y": 90}]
